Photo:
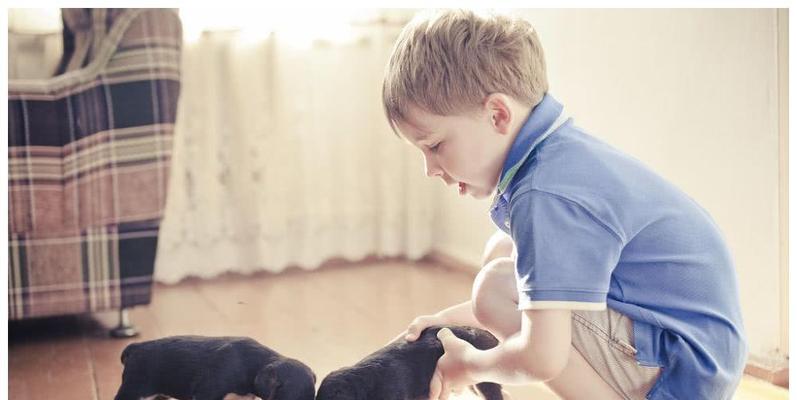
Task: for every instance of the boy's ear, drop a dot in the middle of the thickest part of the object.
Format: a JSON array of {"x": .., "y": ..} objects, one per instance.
[{"x": 497, "y": 106}]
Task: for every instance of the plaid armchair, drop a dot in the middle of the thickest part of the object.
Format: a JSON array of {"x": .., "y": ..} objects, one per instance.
[{"x": 88, "y": 164}]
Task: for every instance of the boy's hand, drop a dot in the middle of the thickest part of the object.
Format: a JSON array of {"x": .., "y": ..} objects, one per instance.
[
  {"x": 418, "y": 325},
  {"x": 452, "y": 372}
]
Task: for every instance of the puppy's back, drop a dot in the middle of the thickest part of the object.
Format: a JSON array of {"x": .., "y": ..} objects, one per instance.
[
  {"x": 175, "y": 365},
  {"x": 403, "y": 370}
]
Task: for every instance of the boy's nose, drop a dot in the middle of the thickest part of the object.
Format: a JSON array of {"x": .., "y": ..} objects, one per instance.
[{"x": 432, "y": 169}]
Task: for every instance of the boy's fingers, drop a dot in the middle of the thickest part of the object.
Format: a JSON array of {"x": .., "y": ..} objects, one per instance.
[
  {"x": 414, "y": 330},
  {"x": 449, "y": 340},
  {"x": 445, "y": 335},
  {"x": 444, "y": 391},
  {"x": 417, "y": 327},
  {"x": 400, "y": 336},
  {"x": 435, "y": 386}
]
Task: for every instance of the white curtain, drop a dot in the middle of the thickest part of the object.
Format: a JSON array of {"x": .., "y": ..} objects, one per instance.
[
  {"x": 35, "y": 42},
  {"x": 282, "y": 156}
]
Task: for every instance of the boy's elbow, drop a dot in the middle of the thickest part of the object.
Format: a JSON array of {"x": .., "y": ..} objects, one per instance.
[
  {"x": 550, "y": 370},
  {"x": 544, "y": 365},
  {"x": 546, "y": 368},
  {"x": 544, "y": 354}
]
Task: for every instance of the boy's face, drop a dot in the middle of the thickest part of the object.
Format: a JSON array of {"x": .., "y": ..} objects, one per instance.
[{"x": 464, "y": 150}]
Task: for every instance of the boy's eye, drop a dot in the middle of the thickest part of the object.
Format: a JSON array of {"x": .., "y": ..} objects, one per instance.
[{"x": 435, "y": 147}]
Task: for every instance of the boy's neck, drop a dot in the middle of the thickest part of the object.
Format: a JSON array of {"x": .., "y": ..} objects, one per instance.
[{"x": 523, "y": 112}]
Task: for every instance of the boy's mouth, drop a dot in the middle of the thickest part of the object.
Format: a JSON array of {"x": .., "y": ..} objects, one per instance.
[{"x": 462, "y": 188}]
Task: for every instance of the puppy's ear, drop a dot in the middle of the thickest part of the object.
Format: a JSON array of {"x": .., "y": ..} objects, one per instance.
[
  {"x": 266, "y": 382},
  {"x": 127, "y": 351}
]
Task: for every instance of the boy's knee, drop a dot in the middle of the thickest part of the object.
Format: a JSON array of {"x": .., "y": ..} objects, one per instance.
[
  {"x": 493, "y": 287},
  {"x": 498, "y": 245}
]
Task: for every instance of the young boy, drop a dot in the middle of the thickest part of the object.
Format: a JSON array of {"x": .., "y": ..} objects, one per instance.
[{"x": 606, "y": 281}]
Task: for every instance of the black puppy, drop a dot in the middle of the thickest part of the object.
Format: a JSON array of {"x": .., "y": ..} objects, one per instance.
[
  {"x": 208, "y": 368},
  {"x": 403, "y": 370}
]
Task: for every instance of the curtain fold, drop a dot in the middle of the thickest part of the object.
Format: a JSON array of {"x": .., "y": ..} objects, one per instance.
[{"x": 282, "y": 157}]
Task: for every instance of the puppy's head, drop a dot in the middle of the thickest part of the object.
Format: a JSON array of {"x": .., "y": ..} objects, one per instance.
[
  {"x": 285, "y": 379},
  {"x": 342, "y": 384}
]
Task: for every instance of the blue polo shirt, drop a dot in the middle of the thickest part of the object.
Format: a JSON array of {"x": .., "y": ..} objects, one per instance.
[{"x": 594, "y": 227}]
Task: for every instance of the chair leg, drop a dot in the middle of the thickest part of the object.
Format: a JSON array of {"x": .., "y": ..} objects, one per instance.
[{"x": 125, "y": 329}]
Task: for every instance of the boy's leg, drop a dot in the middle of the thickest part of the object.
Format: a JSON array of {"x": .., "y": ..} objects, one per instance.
[
  {"x": 498, "y": 245},
  {"x": 494, "y": 301}
]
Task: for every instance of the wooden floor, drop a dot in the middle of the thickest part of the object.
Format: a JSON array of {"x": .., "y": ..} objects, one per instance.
[{"x": 328, "y": 318}]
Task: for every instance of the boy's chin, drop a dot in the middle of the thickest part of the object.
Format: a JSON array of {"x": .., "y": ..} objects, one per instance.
[{"x": 478, "y": 193}]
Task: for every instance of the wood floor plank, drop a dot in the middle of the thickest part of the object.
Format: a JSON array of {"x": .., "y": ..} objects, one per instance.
[
  {"x": 327, "y": 318},
  {"x": 52, "y": 361}
]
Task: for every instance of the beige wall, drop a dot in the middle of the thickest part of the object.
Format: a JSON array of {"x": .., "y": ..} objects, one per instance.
[{"x": 692, "y": 93}]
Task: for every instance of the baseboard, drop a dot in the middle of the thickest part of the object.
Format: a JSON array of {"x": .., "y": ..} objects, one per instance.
[
  {"x": 450, "y": 262},
  {"x": 774, "y": 372}
]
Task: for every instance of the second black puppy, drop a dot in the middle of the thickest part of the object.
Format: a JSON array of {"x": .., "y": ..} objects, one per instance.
[
  {"x": 403, "y": 370},
  {"x": 209, "y": 368}
]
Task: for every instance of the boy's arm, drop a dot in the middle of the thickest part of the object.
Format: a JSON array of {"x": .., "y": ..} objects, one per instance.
[
  {"x": 460, "y": 314},
  {"x": 539, "y": 352}
]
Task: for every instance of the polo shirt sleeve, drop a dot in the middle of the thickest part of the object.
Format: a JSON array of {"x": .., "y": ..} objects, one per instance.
[{"x": 566, "y": 255}]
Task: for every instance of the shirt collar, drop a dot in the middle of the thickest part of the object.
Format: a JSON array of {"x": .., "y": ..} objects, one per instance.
[{"x": 539, "y": 122}]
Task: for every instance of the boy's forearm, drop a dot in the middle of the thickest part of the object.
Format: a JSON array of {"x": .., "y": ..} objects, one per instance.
[
  {"x": 460, "y": 314},
  {"x": 506, "y": 364},
  {"x": 525, "y": 357}
]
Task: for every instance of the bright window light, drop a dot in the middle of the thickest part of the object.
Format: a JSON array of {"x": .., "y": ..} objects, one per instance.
[{"x": 297, "y": 26}]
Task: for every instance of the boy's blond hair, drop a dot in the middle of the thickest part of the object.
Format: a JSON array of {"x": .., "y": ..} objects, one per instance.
[{"x": 447, "y": 62}]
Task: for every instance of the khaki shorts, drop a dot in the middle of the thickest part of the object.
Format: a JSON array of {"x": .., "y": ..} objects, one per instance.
[{"x": 605, "y": 339}]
